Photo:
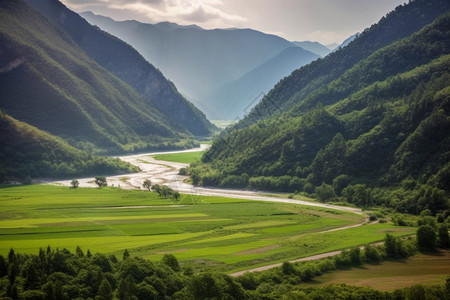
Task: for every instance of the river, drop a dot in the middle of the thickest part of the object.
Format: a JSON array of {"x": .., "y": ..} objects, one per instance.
[{"x": 165, "y": 172}]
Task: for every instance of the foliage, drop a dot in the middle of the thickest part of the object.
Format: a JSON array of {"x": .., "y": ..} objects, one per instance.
[
  {"x": 426, "y": 238},
  {"x": 74, "y": 183},
  {"x": 375, "y": 128},
  {"x": 27, "y": 152},
  {"x": 59, "y": 274},
  {"x": 101, "y": 181},
  {"x": 147, "y": 184}
]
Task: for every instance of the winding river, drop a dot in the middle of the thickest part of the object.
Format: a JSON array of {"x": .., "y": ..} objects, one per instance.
[{"x": 165, "y": 172}]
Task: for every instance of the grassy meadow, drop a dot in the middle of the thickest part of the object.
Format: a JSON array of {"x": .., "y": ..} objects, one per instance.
[
  {"x": 224, "y": 233},
  {"x": 183, "y": 157}
]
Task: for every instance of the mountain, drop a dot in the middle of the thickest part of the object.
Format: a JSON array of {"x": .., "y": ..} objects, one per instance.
[
  {"x": 346, "y": 41},
  {"x": 314, "y": 47},
  {"x": 27, "y": 152},
  {"x": 49, "y": 82},
  {"x": 235, "y": 99},
  {"x": 127, "y": 64},
  {"x": 198, "y": 61},
  {"x": 332, "y": 46},
  {"x": 368, "y": 124}
]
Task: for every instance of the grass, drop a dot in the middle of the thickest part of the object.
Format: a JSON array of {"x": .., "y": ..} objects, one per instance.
[
  {"x": 391, "y": 275},
  {"x": 184, "y": 157},
  {"x": 224, "y": 233}
]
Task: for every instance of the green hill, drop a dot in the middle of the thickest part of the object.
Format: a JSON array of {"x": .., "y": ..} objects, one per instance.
[
  {"x": 26, "y": 152},
  {"x": 127, "y": 64},
  {"x": 375, "y": 129},
  {"x": 49, "y": 82}
]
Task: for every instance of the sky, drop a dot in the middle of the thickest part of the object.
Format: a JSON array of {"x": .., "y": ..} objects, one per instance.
[{"x": 325, "y": 21}]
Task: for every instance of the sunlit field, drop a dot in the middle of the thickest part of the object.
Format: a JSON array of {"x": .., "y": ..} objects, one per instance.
[
  {"x": 227, "y": 234},
  {"x": 183, "y": 157}
]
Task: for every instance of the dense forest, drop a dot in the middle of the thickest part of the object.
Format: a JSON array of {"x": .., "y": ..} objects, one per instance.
[
  {"x": 44, "y": 155},
  {"x": 60, "y": 274},
  {"x": 377, "y": 133}
]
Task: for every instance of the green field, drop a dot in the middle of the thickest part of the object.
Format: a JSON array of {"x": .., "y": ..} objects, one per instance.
[
  {"x": 227, "y": 234},
  {"x": 184, "y": 157},
  {"x": 391, "y": 275}
]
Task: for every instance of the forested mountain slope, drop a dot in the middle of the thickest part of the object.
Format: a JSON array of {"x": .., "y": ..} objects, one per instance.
[
  {"x": 49, "y": 82},
  {"x": 27, "y": 152},
  {"x": 127, "y": 64},
  {"x": 377, "y": 133},
  {"x": 398, "y": 24}
]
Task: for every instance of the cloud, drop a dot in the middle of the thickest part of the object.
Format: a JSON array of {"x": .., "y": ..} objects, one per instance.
[{"x": 206, "y": 13}]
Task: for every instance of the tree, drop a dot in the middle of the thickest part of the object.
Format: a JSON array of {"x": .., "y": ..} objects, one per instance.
[
  {"x": 355, "y": 256},
  {"x": 126, "y": 254},
  {"x": 171, "y": 261},
  {"x": 74, "y": 183},
  {"x": 104, "y": 291},
  {"x": 325, "y": 192},
  {"x": 101, "y": 181},
  {"x": 157, "y": 188},
  {"x": 147, "y": 184},
  {"x": 391, "y": 246},
  {"x": 176, "y": 195},
  {"x": 426, "y": 238},
  {"x": 444, "y": 239}
]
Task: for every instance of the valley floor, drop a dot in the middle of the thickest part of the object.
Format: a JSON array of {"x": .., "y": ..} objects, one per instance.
[{"x": 166, "y": 172}]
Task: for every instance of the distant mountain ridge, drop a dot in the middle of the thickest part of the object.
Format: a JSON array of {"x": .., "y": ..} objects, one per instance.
[
  {"x": 314, "y": 47},
  {"x": 201, "y": 62},
  {"x": 237, "y": 98},
  {"x": 127, "y": 64}
]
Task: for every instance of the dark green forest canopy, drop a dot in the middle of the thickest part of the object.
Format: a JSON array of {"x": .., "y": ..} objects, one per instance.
[
  {"x": 27, "y": 152},
  {"x": 381, "y": 128}
]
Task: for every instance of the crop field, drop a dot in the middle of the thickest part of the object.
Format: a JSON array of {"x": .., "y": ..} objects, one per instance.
[
  {"x": 184, "y": 157},
  {"x": 391, "y": 275},
  {"x": 224, "y": 233}
]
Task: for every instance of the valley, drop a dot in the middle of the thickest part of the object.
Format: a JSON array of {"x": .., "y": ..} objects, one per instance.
[{"x": 165, "y": 150}]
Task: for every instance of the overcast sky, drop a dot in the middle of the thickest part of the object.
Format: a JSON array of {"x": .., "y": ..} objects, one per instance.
[{"x": 325, "y": 21}]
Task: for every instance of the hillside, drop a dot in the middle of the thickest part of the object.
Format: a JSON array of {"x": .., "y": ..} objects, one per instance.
[
  {"x": 27, "y": 152},
  {"x": 375, "y": 132},
  {"x": 200, "y": 62},
  {"x": 50, "y": 83},
  {"x": 398, "y": 24},
  {"x": 127, "y": 64},
  {"x": 237, "y": 98}
]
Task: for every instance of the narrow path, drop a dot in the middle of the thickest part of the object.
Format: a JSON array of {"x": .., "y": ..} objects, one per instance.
[{"x": 308, "y": 258}]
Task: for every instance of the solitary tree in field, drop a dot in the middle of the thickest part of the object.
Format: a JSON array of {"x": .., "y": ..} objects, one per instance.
[
  {"x": 426, "y": 238},
  {"x": 74, "y": 183},
  {"x": 147, "y": 184},
  {"x": 101, "y": 181},
  {"x": 176, "y": 195}
]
